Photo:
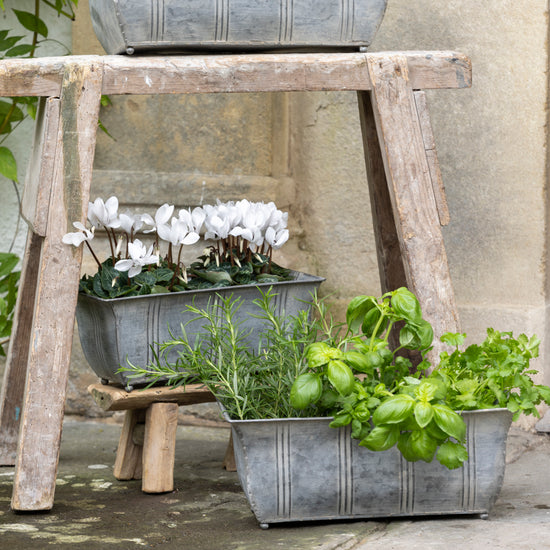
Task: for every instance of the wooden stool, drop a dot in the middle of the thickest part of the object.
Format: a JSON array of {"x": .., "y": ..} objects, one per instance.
[
  {"x": 146, "y": 449},
  {"x": 406, "y": 198}
]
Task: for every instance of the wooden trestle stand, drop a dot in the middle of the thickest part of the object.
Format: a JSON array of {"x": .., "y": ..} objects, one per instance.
[{"x": 407, "y": 199}]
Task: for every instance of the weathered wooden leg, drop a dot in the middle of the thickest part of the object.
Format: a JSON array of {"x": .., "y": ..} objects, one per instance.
[
  {"x": 57, "y": 289},
  {"x": 13, "y": 386},
  {"x": 411, "y": 192},
  {"x": 159, "y": 448},
  {"x": 36, "y": 197},
  {"x": 129, "y": 456},
  {"x": 390, "y": 262}
]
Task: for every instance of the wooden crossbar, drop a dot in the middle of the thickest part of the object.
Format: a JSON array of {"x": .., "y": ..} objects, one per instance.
[{"x": 231, "y": 73}]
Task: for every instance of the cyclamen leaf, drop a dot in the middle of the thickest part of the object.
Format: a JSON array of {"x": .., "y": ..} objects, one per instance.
[
  {"x": 449, "y": 421},
  {"x": 394, "y": 410},
  {"x": 381, "y": 438},
  {"x": 341, "y": 377},
  {"x": 452, "y": 455}
]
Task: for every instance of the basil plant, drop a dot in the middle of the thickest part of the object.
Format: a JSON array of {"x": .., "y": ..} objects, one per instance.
[{"x": 361, "y": 381}]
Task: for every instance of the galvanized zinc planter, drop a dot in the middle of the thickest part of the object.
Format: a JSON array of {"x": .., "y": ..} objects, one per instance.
[
  {"x": 115, "y": 331},
  {"x": 300, "y": 469},
  {"x": 128, "y": 26}
]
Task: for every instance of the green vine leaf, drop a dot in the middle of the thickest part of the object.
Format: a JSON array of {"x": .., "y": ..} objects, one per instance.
[
  {"x": 31, "y": 22},
  {"x": 8, "y": 165}
]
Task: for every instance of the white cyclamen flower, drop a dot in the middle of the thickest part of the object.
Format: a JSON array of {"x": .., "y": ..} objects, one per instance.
[
  {"x": 130, "y": 223},
  {"x": 104, "y": 213},
  {"x": 77, "y": 238},
  {"x": 276, "y": 239},
  {"x": 162, "y": 217},
  {"x": 177, "y": 233},
  {"x": 193, "y": 219},
  {"x": 139, "y": 257},
  {"x": 217, "y": 227}
]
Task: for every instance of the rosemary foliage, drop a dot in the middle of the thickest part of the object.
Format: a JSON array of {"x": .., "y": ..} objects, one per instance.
[{"x": 249, "y": 383}]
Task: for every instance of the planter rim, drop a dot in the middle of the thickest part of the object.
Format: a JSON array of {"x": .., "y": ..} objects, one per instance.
[
  {"x": 303, "y": 278},
  {"x": 319, "y": 418}
]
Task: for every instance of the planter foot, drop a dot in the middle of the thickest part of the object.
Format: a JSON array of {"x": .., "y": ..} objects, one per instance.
[
  {"x": 264, "y": 525},
  {"x": 104, "y": 381},
  {"x": 485, "y": 515}
]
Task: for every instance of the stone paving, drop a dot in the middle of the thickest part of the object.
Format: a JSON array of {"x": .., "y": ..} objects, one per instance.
[{"x": 208, "y": 511}]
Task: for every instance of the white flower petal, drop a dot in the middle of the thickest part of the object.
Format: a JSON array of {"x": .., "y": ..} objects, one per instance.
[{"x": 124, "y": 265}]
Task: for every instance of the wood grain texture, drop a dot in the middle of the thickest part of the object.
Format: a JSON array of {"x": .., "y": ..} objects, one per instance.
[
  {"x": 112, "y": 398},
  {"x": 159, "y": 448},
  {"x": 411, "y": 193},
  {"x": 36, "y": 192},
  {"x": 13, "y": 386},
  {"x": 232, "y": 73},
  {"x": 128, "y": 463},
  {"x": 229, "y": 459},
  {"x": 56, "y": 294},
  {"x": 390, "y": 261},
  {"x": 431, "y": 156}
]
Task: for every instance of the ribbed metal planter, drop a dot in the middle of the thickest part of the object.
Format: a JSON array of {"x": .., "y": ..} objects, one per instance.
[
  {"x": 128, "y": 26},
  {"x": 301, "y": 469},
  {"x": 115, "y": 331}
]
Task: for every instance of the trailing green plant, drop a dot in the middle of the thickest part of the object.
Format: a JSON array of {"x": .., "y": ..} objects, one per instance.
[
  {"x": 14, "y": 110},
  {"x": 9, "y": 279},
  {"x": 249, "y": 383}
]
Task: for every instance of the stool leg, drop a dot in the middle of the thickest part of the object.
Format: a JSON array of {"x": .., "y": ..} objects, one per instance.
[
  {"x": 159, "y": 448},
  {"x": 129, "y": 456},
  {"x": 411, "y": 192},
  {"x": 56, "y": 294},
  {"x": 229, "y": 458}
]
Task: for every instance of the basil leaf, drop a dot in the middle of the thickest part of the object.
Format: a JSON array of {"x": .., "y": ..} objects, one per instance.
[
  {"x": 423, "y": 413},
  {"x": 394, "y": 410},
  {"x": 320, "y": 354},
  {"x": 307, "y": 389},
  {"x": 381, "y": 438},
  {"x": 423, "y": 445},
  {"x": 357, "y": 309},
  {"x": 449, "y": 421},
  {"x": 341, "y": 377},
  {"x": 406, "y": 306}
]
